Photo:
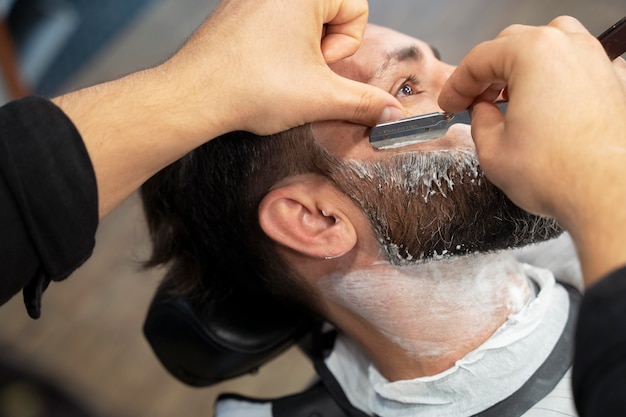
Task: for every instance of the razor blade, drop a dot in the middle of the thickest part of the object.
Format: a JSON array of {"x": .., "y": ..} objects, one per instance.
[{"x": 419, "y": 128}]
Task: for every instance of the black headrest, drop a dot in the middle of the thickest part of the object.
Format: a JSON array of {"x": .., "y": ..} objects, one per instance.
[{"x": 204, "y": 346}]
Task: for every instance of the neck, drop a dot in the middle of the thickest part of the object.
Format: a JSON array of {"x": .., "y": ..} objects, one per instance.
[{"x": 419, "y": 320}]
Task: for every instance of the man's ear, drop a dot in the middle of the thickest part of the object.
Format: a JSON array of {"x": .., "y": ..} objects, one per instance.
[{"x": 309, "y": 215}]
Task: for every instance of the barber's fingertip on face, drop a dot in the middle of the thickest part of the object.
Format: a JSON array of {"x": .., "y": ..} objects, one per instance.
[{"x": 390, "y": 114}]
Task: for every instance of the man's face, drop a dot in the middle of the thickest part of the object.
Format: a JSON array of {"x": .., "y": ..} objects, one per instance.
[
  {"x": 430, "y": 198},
  {"x": 408, "y": 69}
]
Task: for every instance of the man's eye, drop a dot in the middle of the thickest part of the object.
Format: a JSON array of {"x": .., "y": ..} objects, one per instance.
[
  {"x": 406, "y": 90},
  {"x": 409, "y": 87}
]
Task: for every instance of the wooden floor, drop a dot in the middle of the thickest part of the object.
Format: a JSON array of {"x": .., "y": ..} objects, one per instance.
[{"x": 89, "y": 339}]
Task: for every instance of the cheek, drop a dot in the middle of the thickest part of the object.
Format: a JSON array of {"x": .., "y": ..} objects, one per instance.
[
  {"x": 423, "y": 103},
  {"x": 344, "y": 140}
]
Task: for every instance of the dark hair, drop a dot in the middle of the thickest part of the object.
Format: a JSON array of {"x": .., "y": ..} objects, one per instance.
[{"x": 202, "y": 214}]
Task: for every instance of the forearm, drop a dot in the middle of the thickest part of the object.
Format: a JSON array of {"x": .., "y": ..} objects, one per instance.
[{"x": 133, "y": 127}]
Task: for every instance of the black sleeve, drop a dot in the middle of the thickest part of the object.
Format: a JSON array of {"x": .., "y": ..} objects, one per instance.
[
  {"x": 48, "y": 196},
  {"x": 599, "y": 377}
]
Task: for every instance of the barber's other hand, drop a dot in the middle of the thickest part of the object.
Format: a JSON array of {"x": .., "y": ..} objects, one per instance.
[
  {"x": 262, "y": 66},
  {"x": 561, "y": 149}
]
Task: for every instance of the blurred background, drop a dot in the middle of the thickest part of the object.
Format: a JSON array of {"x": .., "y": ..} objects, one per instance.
[{"x": 87, "y": 356}]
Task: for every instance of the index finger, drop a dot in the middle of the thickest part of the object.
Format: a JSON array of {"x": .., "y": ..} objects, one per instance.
[{"x": 487, "y": 66}]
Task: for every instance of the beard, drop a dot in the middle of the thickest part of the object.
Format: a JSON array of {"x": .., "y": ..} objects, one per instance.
[{"x": 429, "y": 205}]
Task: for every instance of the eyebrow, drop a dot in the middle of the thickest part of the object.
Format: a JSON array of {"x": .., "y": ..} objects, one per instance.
[
  {"x": 407, "y": 53},
  {"x": 411, "y": 53}
]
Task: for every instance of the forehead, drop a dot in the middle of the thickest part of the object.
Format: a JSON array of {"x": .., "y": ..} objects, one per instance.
[{"x": 380, "y": 48}]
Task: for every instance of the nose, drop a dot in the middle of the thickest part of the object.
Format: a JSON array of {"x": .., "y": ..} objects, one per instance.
[{"x": 444, "y": 71}]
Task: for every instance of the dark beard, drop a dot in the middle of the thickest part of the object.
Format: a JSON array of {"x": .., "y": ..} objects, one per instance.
[{"x": 425, "y": 205}]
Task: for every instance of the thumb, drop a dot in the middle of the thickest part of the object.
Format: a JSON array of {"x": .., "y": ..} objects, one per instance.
[
  {"x": 357, "y": 102},
  {"x": 487, "y": 132}
]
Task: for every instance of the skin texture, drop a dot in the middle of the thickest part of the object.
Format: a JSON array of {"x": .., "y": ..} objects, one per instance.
[
  {"x": 411, "y": 318},
  {"x": 559, "y": 151},
  {"x": 235, "y": 73}
]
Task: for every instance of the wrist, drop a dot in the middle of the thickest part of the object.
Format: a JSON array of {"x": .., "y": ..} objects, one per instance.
[
  {"x": 190, "y": 103},
  {"x": 598, "y": 232}
]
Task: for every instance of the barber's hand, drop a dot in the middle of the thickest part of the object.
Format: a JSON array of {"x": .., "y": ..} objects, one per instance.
[
  {"x": 561, "y": 149},
  {"x": 259, "y": 66},
  {"x": 272, "y": 71}
]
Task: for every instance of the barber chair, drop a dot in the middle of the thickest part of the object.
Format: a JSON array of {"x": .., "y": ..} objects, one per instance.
[
  {"x": 202, "y": 345},
  {"x": 205, "y": 344}
]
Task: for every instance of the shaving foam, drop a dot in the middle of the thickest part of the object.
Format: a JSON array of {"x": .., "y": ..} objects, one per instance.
[{"x": 432, "y": 308}]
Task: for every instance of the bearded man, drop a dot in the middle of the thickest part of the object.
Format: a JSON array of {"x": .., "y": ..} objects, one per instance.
[{"x": 405, "y": 252}]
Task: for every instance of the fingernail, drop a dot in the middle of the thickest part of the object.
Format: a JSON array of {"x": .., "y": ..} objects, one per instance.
[{"x": 390, "y": 114}]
